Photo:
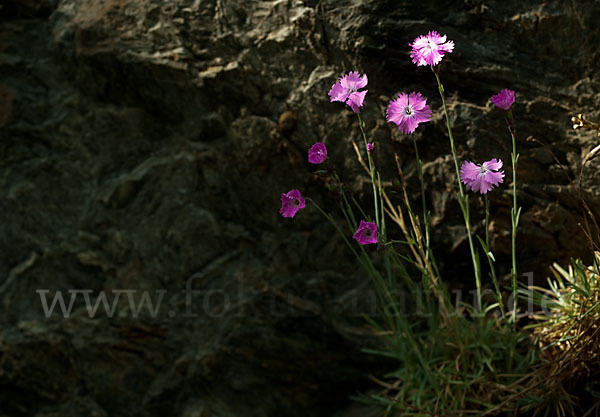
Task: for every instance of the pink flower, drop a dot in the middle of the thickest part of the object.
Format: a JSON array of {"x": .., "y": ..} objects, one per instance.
[
  {"x": 482, "y": 177},
  {"x": 504, "y": 99},
  {"x": 429, "y": 49},
  {"x": 370, "y": 147},
  {"x": 407, "y": 111},
  {"x": 346, "y": 90},
  {"x": 317, "y": 154},
  {"x": 366, "y": 233},
  {"x": 291, "y": 203}
]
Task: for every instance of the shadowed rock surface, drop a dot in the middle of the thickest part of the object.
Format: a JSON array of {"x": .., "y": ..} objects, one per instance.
[{"x": 143, "y": 148}]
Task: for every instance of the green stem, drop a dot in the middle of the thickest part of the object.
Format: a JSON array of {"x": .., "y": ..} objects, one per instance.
[
  {"x": 382, "y": 206},
  {"x": 388, "y": 267},
  {"x": 337, "y": 228},
  {"x": 428, "y": 252},
  {"x": 487, "y": 221},
  {"x": 452, "y": 146},
  {"x": 351, "y": 220},
  {"x": 515, "y": 214},
  {"x": 423, "y": 200},
  {"x": 364, "y": 260},
  {"x": 372, "y": 170},
  {"x": 489, "y": 256},
  {"x": 463, "y": 199}
]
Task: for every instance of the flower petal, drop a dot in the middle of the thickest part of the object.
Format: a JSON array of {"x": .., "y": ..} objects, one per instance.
[
  {"x": 493, "y": 164},
  {"x": 356, "y": 100},
  {"x": 494, "y": 178},
  {"x": 338, "y": 93},
  {"x": 353, "y": 81},
  {"x": 469, "y": 172}
]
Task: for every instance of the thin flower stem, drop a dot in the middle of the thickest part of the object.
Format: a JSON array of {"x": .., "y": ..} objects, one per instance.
[
  {"x": 380, "y": 195},
  {"x": 425, "y": 215},
  {"x": 363, "y": 259},
  {"x": 372, "y": 170},
  {"x": 452, "y": 146},
  {"x": 337, "y": 228},
  {"x": 487, "y": 221},
  {"x": 515, "y": 214},
  {"x": 428, "y": 259},
  {"x": 489, "y": 255},
  {"x": 388, "y": 267},
  {"x": 463, "y": 199},
  {"x": 351, "y": 220},
  {"x": 377, "y": 194}
]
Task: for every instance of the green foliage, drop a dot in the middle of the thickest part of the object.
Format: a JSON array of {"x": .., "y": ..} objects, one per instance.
[
  {"x": 465, "y": 366},
  {"x": 567, "y": 332}
]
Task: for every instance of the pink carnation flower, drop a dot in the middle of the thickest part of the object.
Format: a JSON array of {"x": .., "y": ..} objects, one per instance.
[
  {"x": 291, "y": 203},
  {"x": 317, "y": 154},
  {"x": 370, "y": 147},
  {"x": 429, "y": 49},
  {"x": 366, "y": 233},
  {"x": 407, "y": 111},
  {"x": 504, "y": 99},
  {"x": 346, "y": 90},
  {"x": 482, "y": 177}
]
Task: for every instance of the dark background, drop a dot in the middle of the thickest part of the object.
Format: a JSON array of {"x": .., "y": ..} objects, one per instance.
[{"x": 140, "y": 146}]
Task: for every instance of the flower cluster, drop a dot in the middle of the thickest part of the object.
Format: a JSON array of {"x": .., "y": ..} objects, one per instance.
[
  {"x": 292, "y": 201},
  {"x": 407, "y": 111}
]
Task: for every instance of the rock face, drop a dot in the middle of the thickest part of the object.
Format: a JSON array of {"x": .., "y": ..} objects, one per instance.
[{"x": 143, "y": 151}]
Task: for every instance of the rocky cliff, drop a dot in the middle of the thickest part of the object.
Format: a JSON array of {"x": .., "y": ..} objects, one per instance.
[{"x": 143, "y": 151}]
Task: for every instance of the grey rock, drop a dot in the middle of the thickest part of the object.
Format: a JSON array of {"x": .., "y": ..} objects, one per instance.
[{"x": 141, "y": 150}]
